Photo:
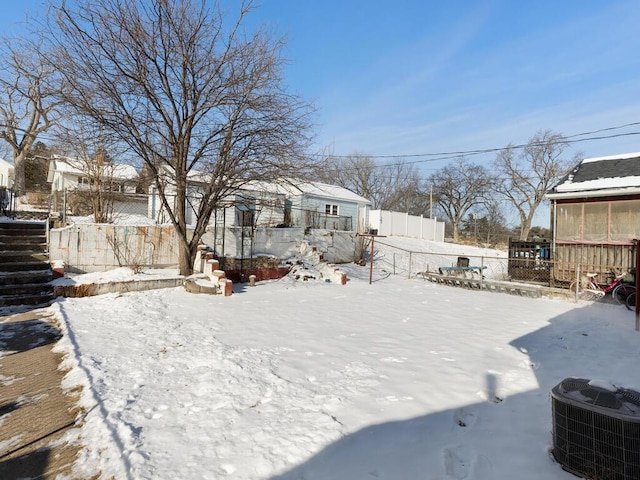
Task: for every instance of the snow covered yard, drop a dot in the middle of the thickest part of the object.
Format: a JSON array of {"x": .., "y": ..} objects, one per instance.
[{"x": 401, "y": 379}]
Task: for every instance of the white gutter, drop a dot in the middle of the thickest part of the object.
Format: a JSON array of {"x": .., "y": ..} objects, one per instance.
[{"x": 609, "y": 192}]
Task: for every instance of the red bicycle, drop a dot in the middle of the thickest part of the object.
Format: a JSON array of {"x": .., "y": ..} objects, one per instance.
[{"x": 590, "y": 289}]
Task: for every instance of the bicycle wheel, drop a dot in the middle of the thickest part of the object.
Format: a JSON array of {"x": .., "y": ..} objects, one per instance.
[
  {"x": 631, "y": 301},
  {"x": 621, "y": 292},
  {"x": 586, "y": 291}
]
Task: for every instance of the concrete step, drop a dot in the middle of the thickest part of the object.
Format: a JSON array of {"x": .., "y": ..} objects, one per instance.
[
  {"x": 17, "y": 289},
  {"x": 23, "y": 256},
  {"x": 32, "y": 244},
  {"x": 35, "y": 299},
  {"x": 25, "y": 271},
  {"x": 22, "y": 239},
  {"x": 22, "y": 225},
  {"x": 24, "y": 266},
  {"x": 26, "y": 289},
  {"x": 9, "y": 234},
  {"x": 26, "y": 277}
]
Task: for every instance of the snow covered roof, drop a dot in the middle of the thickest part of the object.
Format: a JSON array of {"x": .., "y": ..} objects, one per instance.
[
  {"x": 76, "y": 167},
  {"x": 293, "y": 187},
  {"x": 324, "y": 190},
  {"x": 601, "y": 176}
]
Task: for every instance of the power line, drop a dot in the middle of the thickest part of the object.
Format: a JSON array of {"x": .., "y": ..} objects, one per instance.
[
  {"x": 570, "y": 139},
  {"x": 441, "y": 156}
]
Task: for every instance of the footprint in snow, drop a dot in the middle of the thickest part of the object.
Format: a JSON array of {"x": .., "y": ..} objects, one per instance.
[
  {"x": 457, "y": 461},
  {"x": 464, "y": 418}
]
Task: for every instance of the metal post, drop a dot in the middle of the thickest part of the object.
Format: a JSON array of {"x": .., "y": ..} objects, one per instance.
[
  {"x": 481, "y": 273},
  {"x": 394, "y": 263},
  {"x": 431, "y": 201},
  {"x": 373, "y": 239},
  {"x": 577, "y": 282},
  {"x": 637, "y": 246},
  {"x": 64, "y": 207},
  {"x": 409, "y": 265}
]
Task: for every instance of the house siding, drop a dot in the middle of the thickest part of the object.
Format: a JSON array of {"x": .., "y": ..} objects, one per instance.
[
  {"x": 6, "y": 174},
  {"x": 346, "y": 210}
]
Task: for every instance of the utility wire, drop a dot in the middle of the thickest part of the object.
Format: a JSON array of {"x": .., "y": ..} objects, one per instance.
[
  {"x": 441, "y": 156},
  {"x": 571, "y": 139}
]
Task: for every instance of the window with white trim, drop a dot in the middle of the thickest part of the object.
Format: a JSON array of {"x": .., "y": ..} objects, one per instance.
[{"x": 330, "y": 209}]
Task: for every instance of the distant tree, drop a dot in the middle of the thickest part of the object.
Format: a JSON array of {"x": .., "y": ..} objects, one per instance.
[
  {"x": 191, "y": 95},
  {"x": 145, "y": 179},
  {"x": 393, "y": 185},
  {"x": 540, "y": 232},
  {"x": 458, "y": 188},
  {"x": 29, "y": 97},
  {"x": 487, "y": 223},
  {"x": 528, "y": 173}
]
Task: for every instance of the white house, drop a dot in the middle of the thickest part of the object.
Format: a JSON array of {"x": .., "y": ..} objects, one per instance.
[
  {"x": 284, "y": 203},
  {"x": 6, "y": 174},
  {"x": 320, "y": 205},
  {"x": 66, "y": 174},
  {"x": 255, "y": 204}
]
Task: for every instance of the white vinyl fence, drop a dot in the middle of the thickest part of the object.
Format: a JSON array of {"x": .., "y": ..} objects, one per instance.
[{"x": 402, "y": 224}]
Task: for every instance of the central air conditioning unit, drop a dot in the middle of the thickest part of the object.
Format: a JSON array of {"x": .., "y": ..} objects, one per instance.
[{"x": 596, "y": 429}]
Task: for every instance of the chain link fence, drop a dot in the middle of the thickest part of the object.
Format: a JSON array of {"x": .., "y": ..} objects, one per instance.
[
  {"x": 410, "y": 264},
  {"x": 532, "y": 268}
]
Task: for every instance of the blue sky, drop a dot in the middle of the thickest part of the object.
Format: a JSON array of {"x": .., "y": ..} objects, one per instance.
[{"x": 413, "y": 77}]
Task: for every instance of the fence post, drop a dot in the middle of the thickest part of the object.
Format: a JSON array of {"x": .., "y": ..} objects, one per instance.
[
  {"x": 637, "y": 245},
  {"x": 410, "y": 264},
  {"x": 481, "y": 273},
  {"x": 577, "y": 282},
  {"x": 394, "y": 263}
]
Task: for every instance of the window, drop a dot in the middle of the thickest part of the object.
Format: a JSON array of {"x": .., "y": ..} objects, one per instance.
[
  {"x": 625, "y": 220},
  {"x": 569, "y": 222},
  {"x": 598, "y": 222},
  {"x": 331, "y": 209}
]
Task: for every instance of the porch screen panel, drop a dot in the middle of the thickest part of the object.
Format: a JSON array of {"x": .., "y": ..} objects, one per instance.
[
  {"x": 569, "y": 222},
  {"x": 596, "y": 219},
  {"x": 625, "y": 221}
]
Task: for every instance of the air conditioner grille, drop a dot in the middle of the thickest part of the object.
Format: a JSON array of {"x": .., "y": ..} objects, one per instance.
[{"x": 596, "y": 431}]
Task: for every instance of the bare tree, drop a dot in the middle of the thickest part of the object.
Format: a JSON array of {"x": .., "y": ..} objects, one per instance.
[
  {"x": 87, "y": 147},
  {"x": 389, "y": 186},
  {"x": 192, "y": 96},
  {"x": 457, "y": 188},
  {"x": 528, "y": 173},
  {"x": 28, "y": 99}
]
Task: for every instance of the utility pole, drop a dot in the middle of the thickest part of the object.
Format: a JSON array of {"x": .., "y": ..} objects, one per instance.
[{"x": 431, "y": 201}]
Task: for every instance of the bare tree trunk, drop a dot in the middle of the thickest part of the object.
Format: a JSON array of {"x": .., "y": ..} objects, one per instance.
[
  {"x": 456, "y": 232},
  {"x": 19, "y": 157}
]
